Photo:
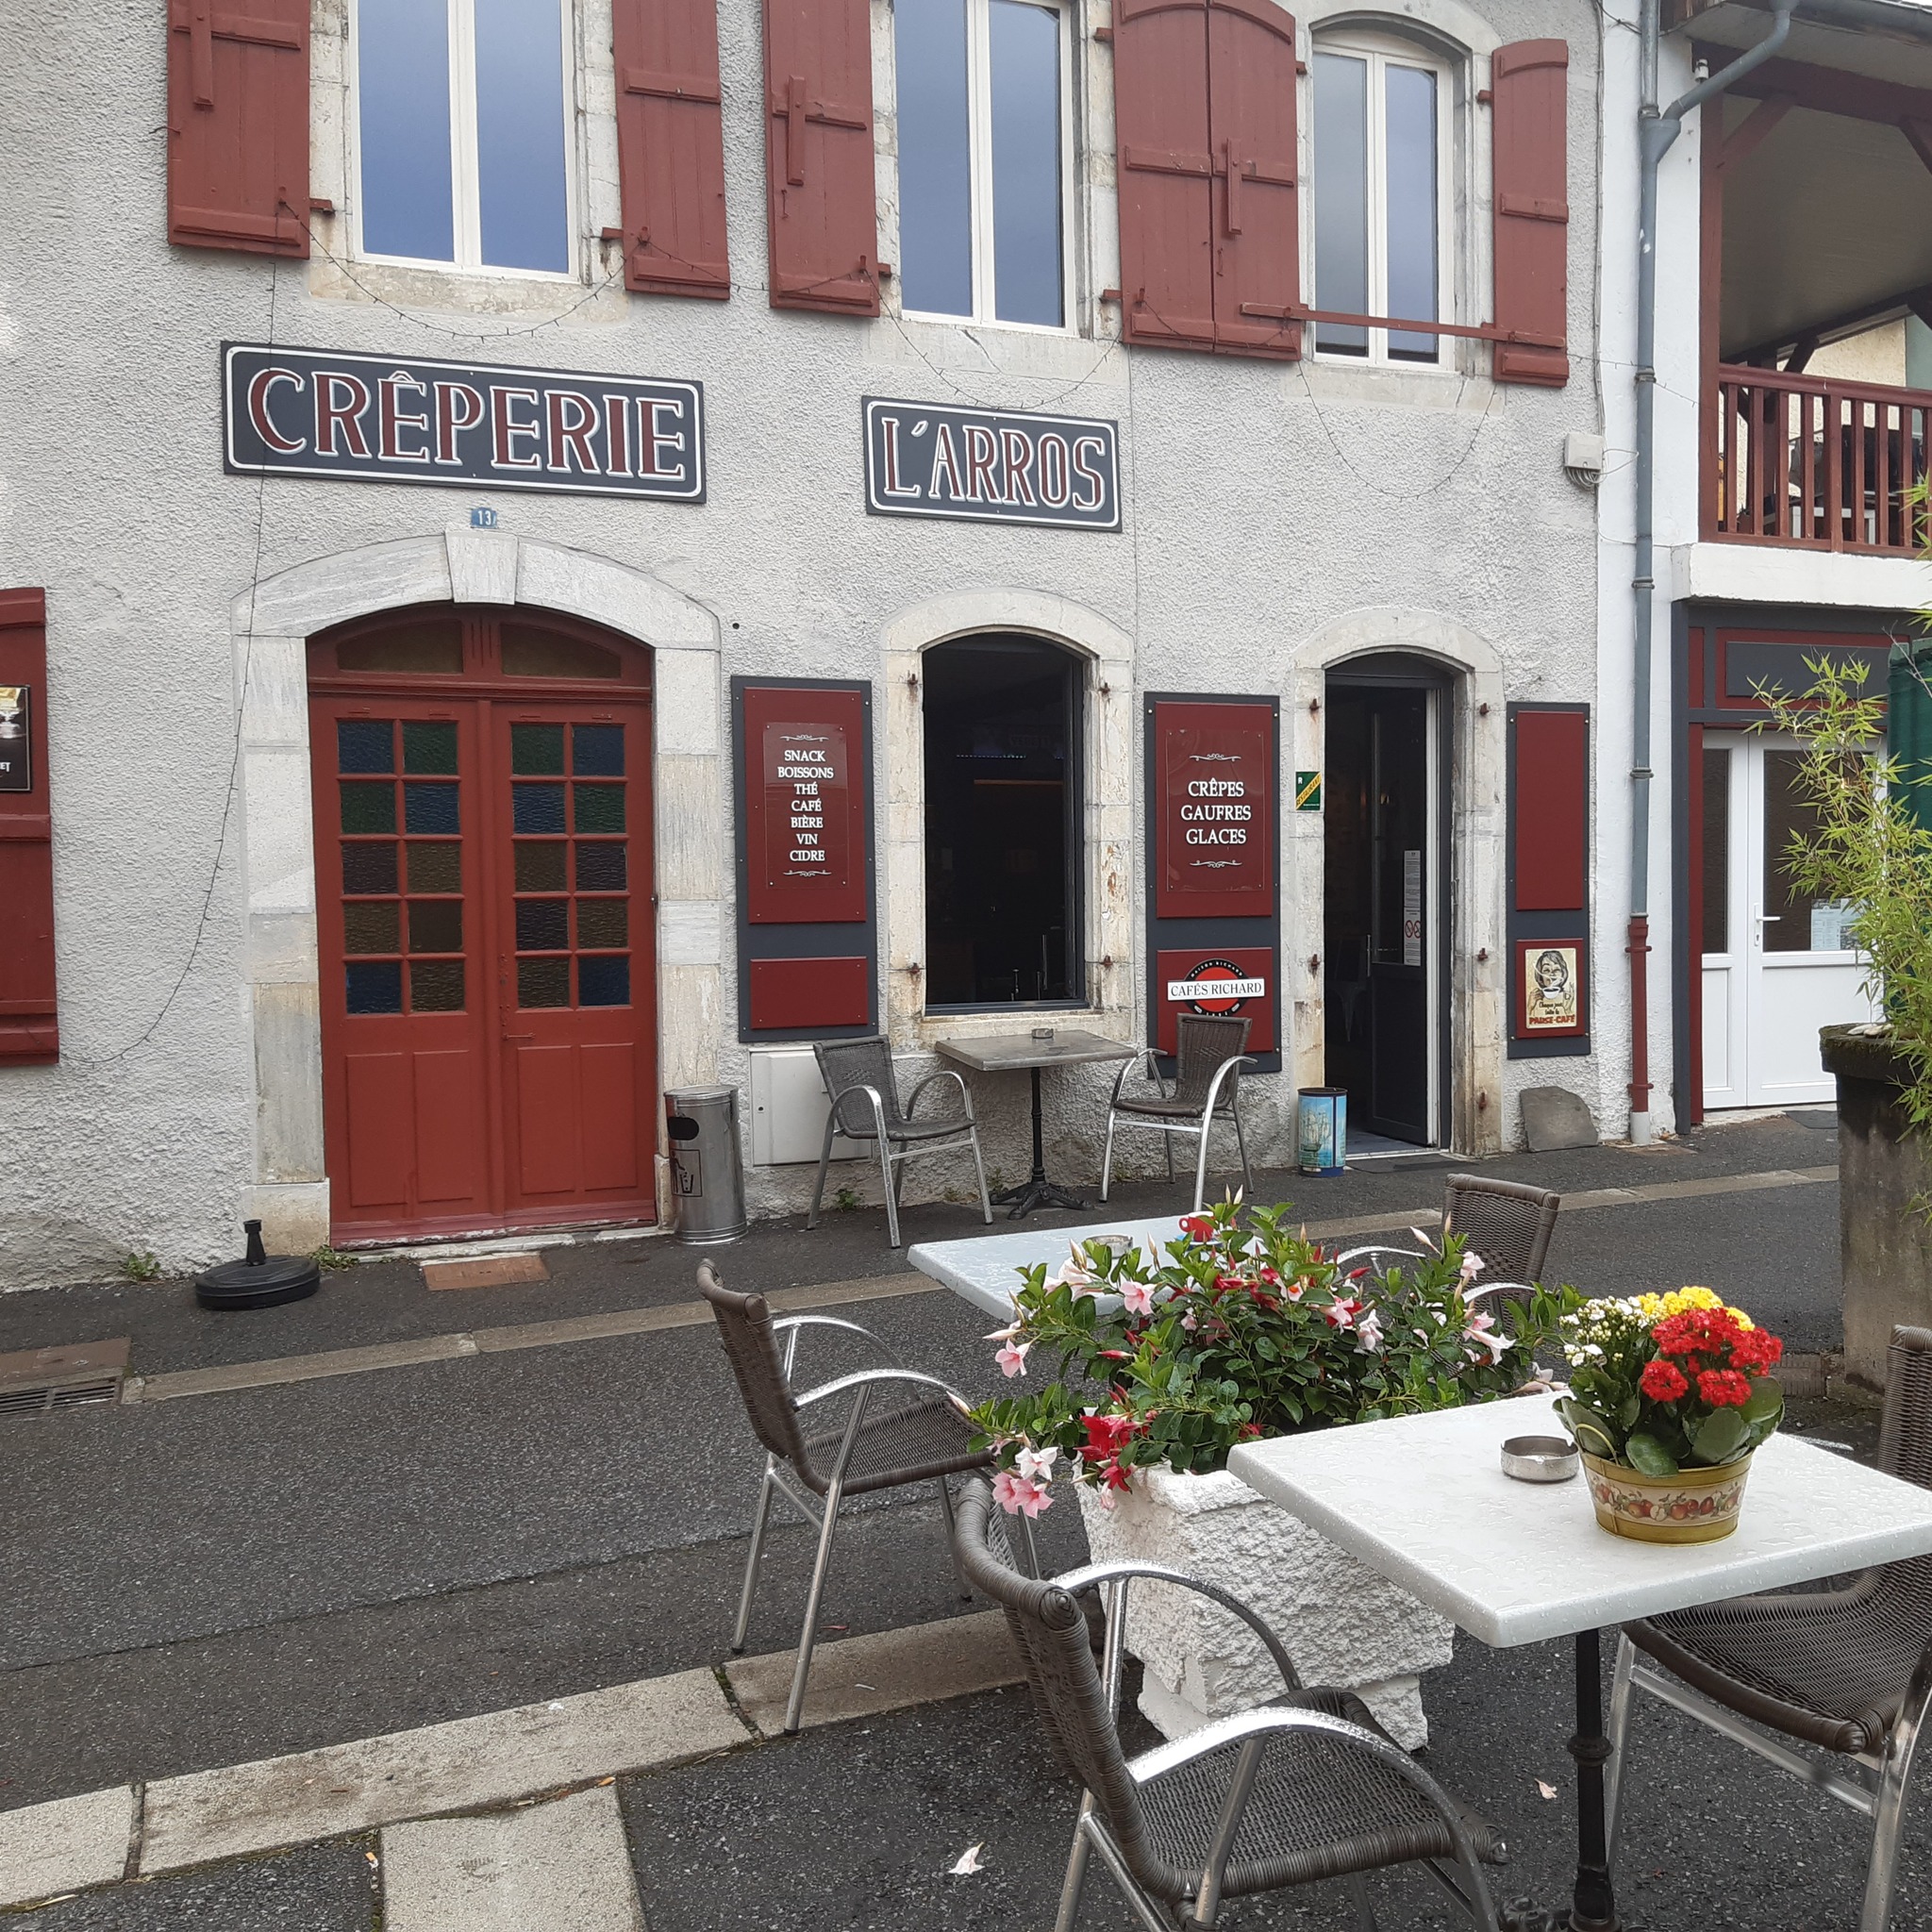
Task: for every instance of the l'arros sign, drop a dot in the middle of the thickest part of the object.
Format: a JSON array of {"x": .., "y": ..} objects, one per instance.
[
  {"x": 306, "y": 412},
  {"x": 923, "y": 460}
]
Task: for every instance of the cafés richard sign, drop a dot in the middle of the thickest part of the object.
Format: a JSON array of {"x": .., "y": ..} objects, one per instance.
[
  {"x": 923, "y": 460},
  {"x": 306, "y": 412}
]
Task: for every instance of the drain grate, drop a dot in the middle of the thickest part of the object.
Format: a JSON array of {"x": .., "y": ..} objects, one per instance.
[{"x": 38, "y": 1381}]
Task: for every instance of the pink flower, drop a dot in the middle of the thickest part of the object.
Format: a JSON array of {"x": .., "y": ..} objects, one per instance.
[
  {"x": 1012, "y": 1358},
  {"x": 1036, "y": 1465},
  {"x": 1482, "y": 1330},
  {"x": 1368, "y": 1333},
  {"x": 1137, "y": 1298},
  {"x": 1189, "y": 1322},
  {"x": 1020, "y": 1495},
  {"x": 1297, "y": 1288},
  {"x": 1472, "y": 1266},
  {"x": 1340, "y": 1316}
]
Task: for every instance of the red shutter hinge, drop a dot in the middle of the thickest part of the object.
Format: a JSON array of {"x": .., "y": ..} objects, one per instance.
[
  {"x": 1103, "y": 33},
  {"x": 1301, "y": 66},
  {"x": 885, "y": 271},
  {"x": 1110, "y": 294},
  {"x": 321, "y": 204},
  {"x": 1484, "y": 97},
  {"x": 610, "y": 234}
]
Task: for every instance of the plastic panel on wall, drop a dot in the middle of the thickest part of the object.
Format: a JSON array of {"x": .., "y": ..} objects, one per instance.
[{"x": 29, "y": 1030}]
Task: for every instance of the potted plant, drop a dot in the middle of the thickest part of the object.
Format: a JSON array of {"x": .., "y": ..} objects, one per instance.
[
  {"x": 1868, "y": 847},
  {"x": 1670, "y": 1396},
  {"x": 1162, "y": 1362}
]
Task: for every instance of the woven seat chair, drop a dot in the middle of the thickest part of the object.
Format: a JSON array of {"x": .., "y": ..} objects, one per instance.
[
  {"x": 1506, "y": 1223},
  {"x": 1305, "y": 1789},
  {"x": 1846, "y": 1671},
  {"x": 1210, "y": 1050},
  {"x": 901, "y": 1427},
  {"x": 864, "y": 1092}
]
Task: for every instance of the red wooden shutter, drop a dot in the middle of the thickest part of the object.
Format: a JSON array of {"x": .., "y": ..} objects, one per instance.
[
  {"x": 1251, "y": 69},
  {"x": 1551, "y": 810},
  {"x": 671, "y": 147},
  {"x": 1204, "y": 113},
  {"x": 823, "y": 208},
  {"x": 238, "y": 126},
  {"x": 1530, "y": 135},
  {"x": 29, "y": 1033},
  {"x": 1165, "y": 172}
]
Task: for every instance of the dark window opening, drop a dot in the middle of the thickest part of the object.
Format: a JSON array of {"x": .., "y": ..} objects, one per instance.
[{"x": 1002, "y": 825}]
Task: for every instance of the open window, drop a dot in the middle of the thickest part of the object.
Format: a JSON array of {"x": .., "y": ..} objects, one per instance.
[
  {"x": 461, "y": 111},
  {"x": 1381, "y": 109},
  {"x": 1002, "y": 813},
  {"x": 984, "y": 155}
]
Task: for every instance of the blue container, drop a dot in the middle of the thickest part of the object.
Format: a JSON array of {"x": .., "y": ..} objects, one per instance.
[{"x": 1321, "y": 1131}]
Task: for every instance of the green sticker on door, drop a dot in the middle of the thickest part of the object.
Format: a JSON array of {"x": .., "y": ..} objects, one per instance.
[{"x": 1307, "y": 791}]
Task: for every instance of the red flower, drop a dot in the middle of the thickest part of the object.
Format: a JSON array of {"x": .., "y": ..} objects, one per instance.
[
  {"x": 1756, "y": 1350},
  {"x": 1724, "y": 1387},
  {"x": 1116, "y": 1478},
  {"x": 1198, "y": 1227},
  {"x": 1663, "y": 1381},
  {"x": 1106, "y": 1435}
]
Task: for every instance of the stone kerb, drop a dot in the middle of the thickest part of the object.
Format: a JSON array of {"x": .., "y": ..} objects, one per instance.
[{"x": 1342, "y": 1624}]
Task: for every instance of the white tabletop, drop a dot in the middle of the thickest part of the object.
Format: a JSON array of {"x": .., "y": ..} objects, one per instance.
[
  {"x": 1423, "y": 1500},
  {"x": 985, "y": 1268}
]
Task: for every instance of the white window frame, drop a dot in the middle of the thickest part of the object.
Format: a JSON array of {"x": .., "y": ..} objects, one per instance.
[
  {"x": 979, "y": 171},
  {"x": 1381, "y": 51},
  {"x": 465, "y": 181}
]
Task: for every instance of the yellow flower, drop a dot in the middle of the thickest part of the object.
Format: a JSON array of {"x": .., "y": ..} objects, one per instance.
[{"x": 1660, "y": 1307}]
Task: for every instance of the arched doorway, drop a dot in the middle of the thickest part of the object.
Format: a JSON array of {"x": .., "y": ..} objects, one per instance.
[
  {"x": 1387, "y": 891},
  {"x": 483, "y": 849}
]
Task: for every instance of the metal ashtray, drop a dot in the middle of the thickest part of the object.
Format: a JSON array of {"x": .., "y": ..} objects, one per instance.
[
  {"x": 1043, "y": 1033},
  {"x": 1539, "y": 1458}
]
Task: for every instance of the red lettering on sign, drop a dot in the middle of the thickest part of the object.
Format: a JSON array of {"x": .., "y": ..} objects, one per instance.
[
  {"x": 507, "y": 429},
  {"x": 331, "y": 415},
  {"x": 1017, "y": 454},
  {"x": 572, "y": 437},
  {"x": 982, "y": 453},
  {"x": 449, "y": 423},
  {"x": 264, "y": 380},
  {"x": 389, "y": 419}
]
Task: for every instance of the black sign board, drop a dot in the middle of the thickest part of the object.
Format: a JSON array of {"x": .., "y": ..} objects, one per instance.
[
  {"x": 986, "y": 466},
  {"x": 308, "y": 412},
  {"x": 16, "y": 738}
]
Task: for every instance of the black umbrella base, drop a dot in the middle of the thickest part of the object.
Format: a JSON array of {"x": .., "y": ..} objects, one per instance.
[{"x": 263, "y": 1284}]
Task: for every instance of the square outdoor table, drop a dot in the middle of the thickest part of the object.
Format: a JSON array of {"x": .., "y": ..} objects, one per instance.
[
  {"x": 1422, "y": 1500},
  {"x": 1011, "y": 1053},
  {"x": 984, "y": 1268}
]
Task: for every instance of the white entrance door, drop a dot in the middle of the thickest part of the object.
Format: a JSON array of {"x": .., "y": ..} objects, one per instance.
[{"x": 1777, "y": 966}]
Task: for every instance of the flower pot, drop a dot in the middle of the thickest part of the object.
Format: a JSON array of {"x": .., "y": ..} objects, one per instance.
[
  {"x": 1695, "y": 1505},
  {"x": 1342, "y": 1624}
]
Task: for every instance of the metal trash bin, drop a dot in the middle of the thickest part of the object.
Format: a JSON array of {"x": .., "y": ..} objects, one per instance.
[
  {"x": 1321, "y": 1131},
  {"x": 707, "y": 1167}
]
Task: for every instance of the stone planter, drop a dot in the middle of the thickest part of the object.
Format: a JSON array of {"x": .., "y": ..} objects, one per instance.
[
  {"x": 1885, "y": 1248},
  {"x": 1342, "y": 1623}
]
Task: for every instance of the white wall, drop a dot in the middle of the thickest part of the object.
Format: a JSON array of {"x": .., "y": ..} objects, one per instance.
[{"x": 1264, "y": 504}]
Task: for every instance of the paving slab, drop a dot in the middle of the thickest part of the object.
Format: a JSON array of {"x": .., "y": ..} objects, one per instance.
[
  {"x": 64, "y": 1845},
  {"x": 460, "y": 1766},
  {"x": 557, "y": 1867},
  {"x": 318, "y": 1888},
  {"x": 859, "y": 1676}
]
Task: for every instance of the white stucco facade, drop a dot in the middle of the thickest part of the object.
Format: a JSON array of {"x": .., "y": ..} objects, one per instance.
[{"x": 1278, "y": 520}]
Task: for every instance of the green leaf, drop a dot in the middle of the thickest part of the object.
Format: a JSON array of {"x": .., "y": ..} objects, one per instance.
[
  {"x": 1767, "y": 1399},
  {"x": 1720, "y": 1437},
  {"x": 1628, "y": 1410},
  {"x": 1593, "y": 1434},
  {"x": 1649, "y": 1456}
]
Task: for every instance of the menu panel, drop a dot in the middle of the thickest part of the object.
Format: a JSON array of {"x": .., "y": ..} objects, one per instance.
[
  {"x": 805, "y": 806},
  {"x": 1215, "y": 813}
]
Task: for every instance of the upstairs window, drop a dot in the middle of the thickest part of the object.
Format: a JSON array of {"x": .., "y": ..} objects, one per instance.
[
  {"x": 462, "y": 130},
  {"x": 983, "y": 156},
  {"x": 1381, "y": 115}
]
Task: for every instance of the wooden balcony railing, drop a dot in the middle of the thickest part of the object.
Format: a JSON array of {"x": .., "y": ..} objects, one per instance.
[{"x": 1805, "y": 460}]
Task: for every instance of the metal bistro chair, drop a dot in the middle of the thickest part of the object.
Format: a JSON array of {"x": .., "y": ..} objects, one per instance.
[
  {"x": 864, "y": 1094},
  {"x": 1301, "y": 1789},
  {"x": 1507, "y": 1223},
  {"x": 1848, "y": 1671},
  {"x": 923, "y": 1437},
  {"x": 1210, "y": 1051}
]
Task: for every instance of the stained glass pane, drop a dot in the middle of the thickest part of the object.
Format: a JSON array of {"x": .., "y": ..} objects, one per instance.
[
  {"x": 604, "y": 980},
  {"x": 370, "y": 928},
  {"x": 374, "y": 986},
  {"x": 529, "y": 652},
  {"x": 436, "y": 986},
  {"x": 429, "y": 746},
  {"x": 542, "y": 925},
  {"x": 365, "y": 744},
  {"x": 369, "y": 807},
  {"x": 433, "y": 647},
  {"x": 436, "y": 926},
  {"x": 598, "y": 750},
  {"x": 435, "y": 868},
  {"x": 601, "y": 867},
  {"x": 540, "y": 868},
  {"x": 536, "y": 807},
  {"x": 536, "y": 749},
  {"x": 600, "y": 808},
  {"x": 430, "y": 807},
  {"x": 369, "y": 868},
  {"x": 542, "y": 982},
  {"x": 603, "y": 923}
]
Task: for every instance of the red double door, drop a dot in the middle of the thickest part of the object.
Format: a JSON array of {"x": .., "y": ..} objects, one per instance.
[{"x": 483, "y": 875}]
